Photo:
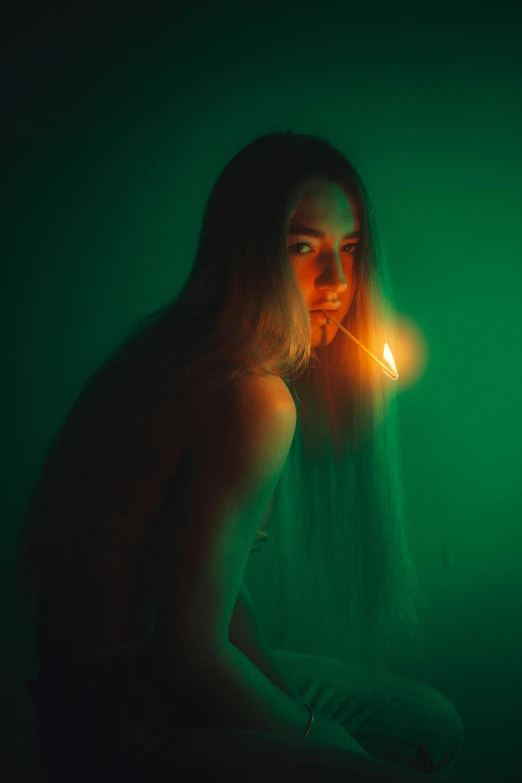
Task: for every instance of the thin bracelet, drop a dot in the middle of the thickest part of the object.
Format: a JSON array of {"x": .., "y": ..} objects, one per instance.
[{"x": 307, "y": 732}]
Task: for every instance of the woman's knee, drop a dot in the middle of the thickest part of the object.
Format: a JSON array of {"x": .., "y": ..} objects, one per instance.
[{"x": 445, "y": 727}]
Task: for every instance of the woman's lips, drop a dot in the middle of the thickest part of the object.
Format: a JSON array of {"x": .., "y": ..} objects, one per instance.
[
  {"x": 320, "y": 315},
  {"x": 328, "y": 306}
]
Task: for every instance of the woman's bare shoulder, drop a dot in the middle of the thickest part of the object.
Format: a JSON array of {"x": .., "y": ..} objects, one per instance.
[
  {"x": 216, "y": 391},
  {"x": 261, "y": 389},
  {"x": 254, "y": 394}
]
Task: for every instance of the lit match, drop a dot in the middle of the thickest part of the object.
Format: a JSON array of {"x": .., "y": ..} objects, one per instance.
[{"x": 390, "y": 368}]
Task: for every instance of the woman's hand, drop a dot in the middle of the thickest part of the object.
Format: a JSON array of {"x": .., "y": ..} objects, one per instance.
[{"x": 328, "y": 732}]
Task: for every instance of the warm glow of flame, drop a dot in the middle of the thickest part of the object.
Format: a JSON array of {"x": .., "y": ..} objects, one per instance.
[{"x": 388, "y": 357}]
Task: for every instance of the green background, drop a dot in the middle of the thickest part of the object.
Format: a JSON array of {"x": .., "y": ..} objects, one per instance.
[{"x": 117, "y": 124}]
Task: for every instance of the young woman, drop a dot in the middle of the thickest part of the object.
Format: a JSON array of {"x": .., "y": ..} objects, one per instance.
[{"x": 237, "y": 402}]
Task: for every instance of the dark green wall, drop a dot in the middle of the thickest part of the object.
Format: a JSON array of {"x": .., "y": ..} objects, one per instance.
[{"x": 116, "y": 128}]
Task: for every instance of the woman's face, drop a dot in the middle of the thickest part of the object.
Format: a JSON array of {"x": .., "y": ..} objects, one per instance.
[{"x": 322, "y": 242}]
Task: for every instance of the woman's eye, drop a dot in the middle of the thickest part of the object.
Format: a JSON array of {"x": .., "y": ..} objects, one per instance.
[
  {"x": 354, "y": 246},
  {"x": 300, "y": 244}
]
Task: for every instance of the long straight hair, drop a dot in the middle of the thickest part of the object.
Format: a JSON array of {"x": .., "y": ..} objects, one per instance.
[{"x": 338, "y": 503}]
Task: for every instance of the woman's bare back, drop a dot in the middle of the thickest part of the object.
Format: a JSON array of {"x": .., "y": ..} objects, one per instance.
[
  {"x": 107, "y": 483},
  {"x": 120, "y": 483}
]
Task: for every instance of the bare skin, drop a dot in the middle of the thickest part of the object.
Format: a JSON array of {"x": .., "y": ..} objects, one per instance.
[
  {"x": 324, "y": 269},
  {"x": 324, "y": 266}
]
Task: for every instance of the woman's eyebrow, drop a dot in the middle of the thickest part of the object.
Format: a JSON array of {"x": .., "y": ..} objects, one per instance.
[{"x": 314, "y": 232}]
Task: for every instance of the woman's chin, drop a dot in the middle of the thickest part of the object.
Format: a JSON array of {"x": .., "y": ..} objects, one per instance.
[{"x": 323, "y": 334}]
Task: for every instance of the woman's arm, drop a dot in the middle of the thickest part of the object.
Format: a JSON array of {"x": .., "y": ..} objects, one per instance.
[
  {"x": 246, "y": 634},
  {"x": 245, "y": 631}
]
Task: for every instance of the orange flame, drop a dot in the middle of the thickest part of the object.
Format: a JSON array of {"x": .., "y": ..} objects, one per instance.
[{"x": 388, "y": 357}]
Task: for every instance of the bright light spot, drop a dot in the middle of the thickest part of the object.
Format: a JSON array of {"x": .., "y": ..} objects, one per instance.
[{"x": 388, "y": 357}]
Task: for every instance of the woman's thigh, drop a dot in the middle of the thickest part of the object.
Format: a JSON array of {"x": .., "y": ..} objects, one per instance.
[
  {"x": 394, "y": 718},
  {"x": 130, "y": 733},
  {"x": 406, "y": 727},
  {"x": 238, "y": 756}
]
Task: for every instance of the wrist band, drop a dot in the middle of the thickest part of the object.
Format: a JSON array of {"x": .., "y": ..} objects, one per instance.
[{"x": 307, "y": 732}]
